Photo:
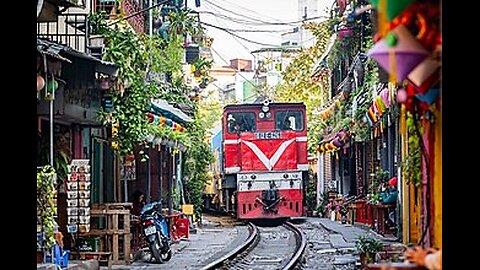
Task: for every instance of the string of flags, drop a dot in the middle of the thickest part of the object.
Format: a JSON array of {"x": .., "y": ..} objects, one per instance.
[{"x": 160, "y": 120}]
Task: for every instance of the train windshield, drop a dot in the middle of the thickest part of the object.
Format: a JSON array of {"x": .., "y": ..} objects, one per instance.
[
  {"x": 241, "y": 122},
  {"x": 289, "y": 120}
]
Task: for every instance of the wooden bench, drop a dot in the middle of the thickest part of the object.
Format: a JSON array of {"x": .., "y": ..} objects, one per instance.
[{"x": 102, "y": 257}]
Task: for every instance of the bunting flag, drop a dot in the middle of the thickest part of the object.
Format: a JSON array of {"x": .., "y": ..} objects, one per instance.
[{"x": 160, "y": 120}]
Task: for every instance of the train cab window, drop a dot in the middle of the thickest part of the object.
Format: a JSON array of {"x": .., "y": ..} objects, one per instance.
[
  {"x": 289, "y": 120},
  {"x": 241, "y": 122}
]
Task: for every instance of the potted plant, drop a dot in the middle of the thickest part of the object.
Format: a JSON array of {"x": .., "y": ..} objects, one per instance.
[
  {"x": 97, "y": 27},
  {"x": 368, "y": 248}
]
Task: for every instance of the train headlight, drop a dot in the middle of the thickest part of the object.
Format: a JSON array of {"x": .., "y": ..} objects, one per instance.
[
  {"x": 253, "y": 176},
  {"x": 265, "y": 109},
  {"x": 285, "y": 176},
  {"x": 261, "y": 115}
]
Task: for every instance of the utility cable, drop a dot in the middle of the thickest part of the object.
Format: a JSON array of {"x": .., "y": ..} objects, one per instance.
[
  {"x": 240, "y": 37},
  {"x": 238, "y": 14}
]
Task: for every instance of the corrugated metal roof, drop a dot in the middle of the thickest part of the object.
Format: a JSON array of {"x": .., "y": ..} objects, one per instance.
[{"x": 56, "y": 50}]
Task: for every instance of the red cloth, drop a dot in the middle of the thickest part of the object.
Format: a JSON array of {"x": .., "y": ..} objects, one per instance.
[{"x": 393, "y": 181}]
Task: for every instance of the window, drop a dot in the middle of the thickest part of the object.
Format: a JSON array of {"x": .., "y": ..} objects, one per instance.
[
  {"x": 289, "y": 120},
  {"x": 241, "y": 122}
]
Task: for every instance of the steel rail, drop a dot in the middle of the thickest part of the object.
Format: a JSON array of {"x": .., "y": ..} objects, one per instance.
[
  {"x": 301, "y": 248},
  {"x": 233, "y": 253}
]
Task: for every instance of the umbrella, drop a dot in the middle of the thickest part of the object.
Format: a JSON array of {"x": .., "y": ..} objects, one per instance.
[
  {"x": 403, "y": 54},
  {"x": 393, "y": 7}
]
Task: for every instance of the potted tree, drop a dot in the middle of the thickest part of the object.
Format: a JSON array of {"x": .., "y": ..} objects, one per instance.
[{"x": 368, "y": 248}]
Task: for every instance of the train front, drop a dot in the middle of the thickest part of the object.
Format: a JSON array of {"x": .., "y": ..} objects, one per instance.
[{"x": 266, "y": 156}]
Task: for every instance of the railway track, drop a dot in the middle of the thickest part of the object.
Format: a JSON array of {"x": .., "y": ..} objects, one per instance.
[{"x": 279, "y": 247}]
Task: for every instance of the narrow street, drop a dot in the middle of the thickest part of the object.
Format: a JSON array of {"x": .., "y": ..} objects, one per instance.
[{"x": 317, "y": 124}]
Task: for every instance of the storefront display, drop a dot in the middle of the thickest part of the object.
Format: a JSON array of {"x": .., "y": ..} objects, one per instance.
[{"x": 78, "y": 196}]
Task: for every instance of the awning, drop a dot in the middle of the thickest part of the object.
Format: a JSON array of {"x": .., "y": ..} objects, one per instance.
[
  {"x": 66, "y": 53},
  {"x": 161, "y": 106}
]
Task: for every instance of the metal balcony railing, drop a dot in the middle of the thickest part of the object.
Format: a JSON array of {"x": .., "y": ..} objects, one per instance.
[
  {"x": 112, "y": 10},
  {"x": 69, "y": 30}
]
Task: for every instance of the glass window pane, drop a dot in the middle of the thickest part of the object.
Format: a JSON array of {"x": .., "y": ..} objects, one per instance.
[
  {"x": 241, "y": 122},
  {"x": 289, "y": 120}
]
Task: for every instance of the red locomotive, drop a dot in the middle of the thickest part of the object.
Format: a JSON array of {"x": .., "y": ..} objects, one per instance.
[{"x": 265, "y": 159}]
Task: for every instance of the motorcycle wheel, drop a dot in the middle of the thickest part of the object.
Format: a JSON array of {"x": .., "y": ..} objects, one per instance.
[
  {"x": 155, "y": 249},
  {"x": 167, "y": 256}
]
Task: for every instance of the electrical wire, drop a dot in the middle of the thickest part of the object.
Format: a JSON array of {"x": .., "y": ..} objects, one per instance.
[
  {"x": 221, "y": 57},
  {"x": 265, "y": 23},
  {"x": 244, "y": 30},
  {"x": 238, "y": 14},
  {"x": 236, "y": 39},
  {"x": 240, "y": 37},
  {"x": 249, "y": 10}
]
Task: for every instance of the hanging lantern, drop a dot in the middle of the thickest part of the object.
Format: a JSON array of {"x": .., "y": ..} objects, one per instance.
[
  {"x": 392, "y": 8},
  {"x": 336, "y": 142},
  {"x": 40, "y": 83},
  {"x": 399, "y": 53},
  {"x": 384, "y": 96},
  {"x": 52, "y": 85},
  {"x": 401, "y": 95}
]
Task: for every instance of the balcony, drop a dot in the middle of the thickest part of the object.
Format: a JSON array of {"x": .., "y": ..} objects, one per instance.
[
  {"x": 112, "y": 10},
  {"x": 68, "y": 29}
]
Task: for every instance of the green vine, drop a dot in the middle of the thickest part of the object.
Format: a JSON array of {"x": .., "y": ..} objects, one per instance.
[
  {"x": 46, "y": 208},
  {"x": 412, "y": 168},
  {"x": 142, "y": 59},
  {"x": 198, "y": 158}
]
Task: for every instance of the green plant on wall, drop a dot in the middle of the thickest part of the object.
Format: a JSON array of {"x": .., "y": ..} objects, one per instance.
[
  {"x": 412, "y": 168},
  {"x": 138, "y": 56},
  {"x": 198, "y": 158},
  {"x": 46, "y": 208}
]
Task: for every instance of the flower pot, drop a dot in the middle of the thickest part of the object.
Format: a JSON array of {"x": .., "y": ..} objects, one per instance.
[{"x": 96, "y": 41}]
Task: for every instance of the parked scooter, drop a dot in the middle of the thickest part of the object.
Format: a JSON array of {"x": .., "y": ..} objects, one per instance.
[{"x": 156, "y": 232}]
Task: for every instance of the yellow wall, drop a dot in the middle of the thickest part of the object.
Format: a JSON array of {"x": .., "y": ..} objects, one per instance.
[{"x": 437, "y": 182}]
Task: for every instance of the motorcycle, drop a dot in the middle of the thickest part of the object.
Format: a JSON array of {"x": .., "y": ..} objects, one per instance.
[{"x": 156, "y": 232}]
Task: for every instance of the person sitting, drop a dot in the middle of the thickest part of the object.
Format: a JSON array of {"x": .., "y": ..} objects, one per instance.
[
  {"x": 390, "y": 197},
  {"x": 138, "y": 203},
  {"x": 429, "y": 258},
  {"x": 391, "y": 194}
]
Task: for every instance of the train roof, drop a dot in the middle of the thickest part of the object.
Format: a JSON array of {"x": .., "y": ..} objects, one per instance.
[{"x": 256, "y": 105}]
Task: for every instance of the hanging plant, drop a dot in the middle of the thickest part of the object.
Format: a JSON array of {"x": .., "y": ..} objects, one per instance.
[
  {"x": 46, "y": 208},
  {"x": 413, "y": 163}
]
